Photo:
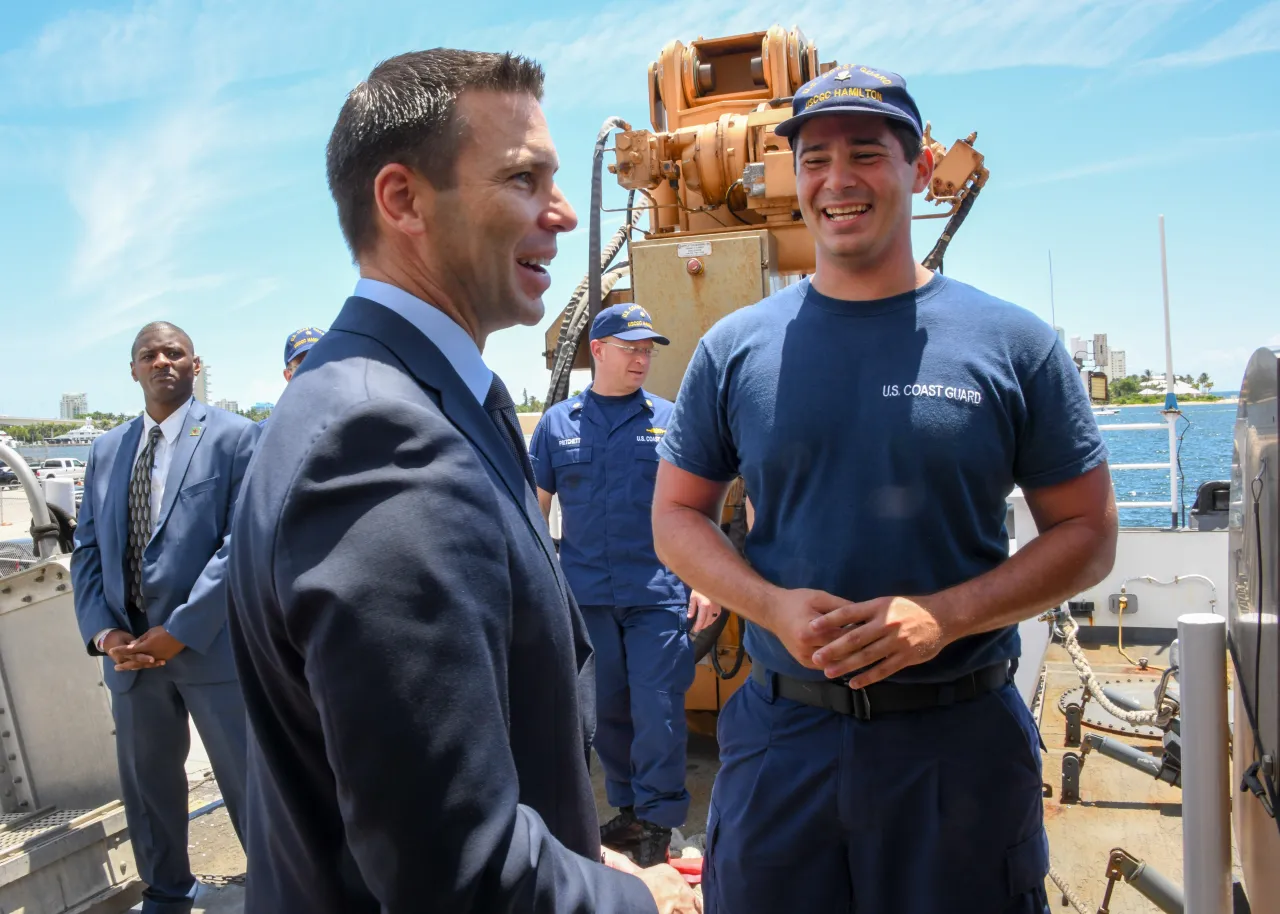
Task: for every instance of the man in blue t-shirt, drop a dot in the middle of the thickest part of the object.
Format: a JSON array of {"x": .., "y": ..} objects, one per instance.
[
  {"x": 598, "y": 451},
  {"x": 879, "y": 758}
]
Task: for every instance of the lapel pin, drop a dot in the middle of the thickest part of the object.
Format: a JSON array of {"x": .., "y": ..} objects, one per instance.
[{"x": 195, "y": 431}]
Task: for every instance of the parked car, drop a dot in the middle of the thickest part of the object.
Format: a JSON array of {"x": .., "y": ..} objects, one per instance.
[{"x": 7, "y": 477}]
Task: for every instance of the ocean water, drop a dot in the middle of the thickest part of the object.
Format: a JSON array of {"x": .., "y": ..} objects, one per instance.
[
  {"x": 1205, "y": 454},
  {"x": 1206, "y": 432}
]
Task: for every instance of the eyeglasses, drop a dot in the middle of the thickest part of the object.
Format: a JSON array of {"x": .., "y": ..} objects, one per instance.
[{"x": 634, "y": 350}]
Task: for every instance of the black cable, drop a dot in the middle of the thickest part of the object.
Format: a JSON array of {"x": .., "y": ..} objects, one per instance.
[
  {"x": 584, "y": 304},
  {"x": 1257, "y": 779},
  {"x": 1267, "y": 784},
  {"x": 593, "y": 239},
  {"x": 737, "y": 183},
  {"x": 1182, "y": 477},
  {"x": 737, "y": 663}
]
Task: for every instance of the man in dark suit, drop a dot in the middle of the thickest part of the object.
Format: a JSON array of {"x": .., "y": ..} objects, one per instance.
[
  {"x": 149, "y": 571},
  {"x": 418, "y": 678}
]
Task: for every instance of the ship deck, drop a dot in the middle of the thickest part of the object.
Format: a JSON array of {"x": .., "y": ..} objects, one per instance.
[{"x": 1119, "y": 807}]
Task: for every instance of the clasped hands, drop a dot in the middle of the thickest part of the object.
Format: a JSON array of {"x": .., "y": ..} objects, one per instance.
[
  {"x": 881, "y": 636},
  {"x": 670, "y": 892},
  {"x": 154, "y": 648}
]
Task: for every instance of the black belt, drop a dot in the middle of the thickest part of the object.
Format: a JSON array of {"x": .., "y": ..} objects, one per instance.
[{"x": 883, "y": 697}]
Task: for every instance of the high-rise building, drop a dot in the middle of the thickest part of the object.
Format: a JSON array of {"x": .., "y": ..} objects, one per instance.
[
  {"x": 1078, "y": 349},
  {"x": 1116, "y": 367},
  {"x": 203, "y": 383},
  {"x": 230, "y": 406},
  {"x": 74, "y": 406},
  {"x": 1101, "y": 351}
]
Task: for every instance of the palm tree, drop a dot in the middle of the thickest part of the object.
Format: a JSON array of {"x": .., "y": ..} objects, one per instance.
[
  {"x": 1204, "y": 382},
  {"x": 1146, "y": 375}
]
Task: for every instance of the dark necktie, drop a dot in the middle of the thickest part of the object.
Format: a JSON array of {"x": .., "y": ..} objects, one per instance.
[
  {"x": 502, "y": 410},
  {"x": 140, "y": 525}
]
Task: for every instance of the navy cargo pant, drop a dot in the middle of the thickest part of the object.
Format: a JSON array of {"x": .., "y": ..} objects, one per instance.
[
  {"x": 644, "y": 666},
  {"x": 929, "y": 812}
]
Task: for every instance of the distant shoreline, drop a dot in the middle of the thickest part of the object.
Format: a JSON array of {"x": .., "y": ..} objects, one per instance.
[{"x": 1181, "y": 403}]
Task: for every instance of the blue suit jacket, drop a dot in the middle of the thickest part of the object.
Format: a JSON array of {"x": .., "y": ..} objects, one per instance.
[
  {"x": 185, "y": 562},
  {"x": 418, "y": 679}
]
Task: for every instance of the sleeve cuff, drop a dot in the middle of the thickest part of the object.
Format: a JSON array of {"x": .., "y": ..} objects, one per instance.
[{"x": 97, "y": 639}]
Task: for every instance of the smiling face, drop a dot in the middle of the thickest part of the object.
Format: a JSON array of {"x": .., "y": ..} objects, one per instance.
[
  {"x": 491, "y": 236},
  {"x": 165, "y": 366},
  {"x": 855, "y": 187}
]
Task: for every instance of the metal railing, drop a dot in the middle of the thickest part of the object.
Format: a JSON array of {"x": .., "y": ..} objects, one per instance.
[{"x": 1171, "y": 421}]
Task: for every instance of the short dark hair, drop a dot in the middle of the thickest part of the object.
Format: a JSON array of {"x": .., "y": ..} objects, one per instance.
[
  {"x": 911, "y": 142},
  {"x": 405, "y": 113},
  {"x": 160, "y": 325}
]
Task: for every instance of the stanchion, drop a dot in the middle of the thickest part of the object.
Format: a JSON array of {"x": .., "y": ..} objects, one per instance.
[{"x": 1206, "y": 791}]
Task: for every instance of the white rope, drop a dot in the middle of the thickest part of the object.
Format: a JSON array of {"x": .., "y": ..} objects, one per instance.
[
  {"x": 1071, "y": 896},
  {"x": 1158, "y": 717}
]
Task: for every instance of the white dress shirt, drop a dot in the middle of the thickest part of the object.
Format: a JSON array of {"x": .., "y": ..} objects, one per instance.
[
  {"x": 170, "y": 429},
  {"x": 448, "y": 336}
]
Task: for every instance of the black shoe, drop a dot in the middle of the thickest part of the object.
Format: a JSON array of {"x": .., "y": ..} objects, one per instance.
[
  {"x": 622, "y": 831},
  {"x": 654, "y": 844}
]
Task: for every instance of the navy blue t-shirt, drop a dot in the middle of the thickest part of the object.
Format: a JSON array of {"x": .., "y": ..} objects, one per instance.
[
  {"x": 878, "y": 441},
  {"x": 614, "y": 408}
]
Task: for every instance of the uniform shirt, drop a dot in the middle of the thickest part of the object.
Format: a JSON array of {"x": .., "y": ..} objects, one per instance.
[
  {"x": 601, "y": 459},
  {"x": 878, "y": 441}
]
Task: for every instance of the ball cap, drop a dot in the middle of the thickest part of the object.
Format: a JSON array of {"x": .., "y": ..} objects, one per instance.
[
  {"x": 300, "y": 341},
  {"x": 852, "y": 90},
  {"x": 626, "y": 322}
]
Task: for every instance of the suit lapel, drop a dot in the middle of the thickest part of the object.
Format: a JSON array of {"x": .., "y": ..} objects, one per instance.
[
  {"x": 429, "y": 366},
  {"x": 116, "y": 502},
  {"x": 193, "y": 432}
]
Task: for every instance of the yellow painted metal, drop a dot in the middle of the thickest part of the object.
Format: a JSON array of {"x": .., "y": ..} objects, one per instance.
[{"x": 688, "y": 286}]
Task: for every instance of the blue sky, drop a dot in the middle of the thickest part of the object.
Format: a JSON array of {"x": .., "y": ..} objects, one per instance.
[{"x": 164, "y": 159}]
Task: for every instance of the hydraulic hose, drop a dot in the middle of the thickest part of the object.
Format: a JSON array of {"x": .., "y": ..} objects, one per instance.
[
  {"x": 586, "y": 298},
  {"x": 597, "y": 199}
]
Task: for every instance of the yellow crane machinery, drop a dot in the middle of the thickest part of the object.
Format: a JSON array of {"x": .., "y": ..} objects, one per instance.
[{"x": 724, "y": 231}]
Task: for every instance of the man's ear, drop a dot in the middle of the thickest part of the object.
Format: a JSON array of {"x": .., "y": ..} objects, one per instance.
[
  {"x": 196, "y": 365},
  {"x": 400, "y": 197},
  {"x": 924, "y": 170},
  {"x": 288, "y": 374}
]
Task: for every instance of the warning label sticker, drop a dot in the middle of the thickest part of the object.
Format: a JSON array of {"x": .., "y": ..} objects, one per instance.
[{"x": 693, "y": 249}]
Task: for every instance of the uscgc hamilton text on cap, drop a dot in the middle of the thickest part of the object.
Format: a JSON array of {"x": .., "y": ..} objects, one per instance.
[{"x": 852, "y": 90}]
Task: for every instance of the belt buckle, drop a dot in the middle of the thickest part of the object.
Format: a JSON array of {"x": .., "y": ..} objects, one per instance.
[{"x": 861, "y": 704}]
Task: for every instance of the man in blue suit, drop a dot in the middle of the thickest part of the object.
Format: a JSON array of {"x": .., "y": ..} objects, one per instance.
[
  {"x": 149, "y": 570},
  {"x": 418, "y": 678}
]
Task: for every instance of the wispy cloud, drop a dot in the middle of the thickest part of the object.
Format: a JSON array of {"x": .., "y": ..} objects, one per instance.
[
  {"x": 1185, "y": 149},
  {"x": 171, "y": 104},
  {"x": 600, "y": 56},
  {"x": 1257, "y": 32},
  {"x": 173, "y": 48},
  {"x": 139, "y": 195}
]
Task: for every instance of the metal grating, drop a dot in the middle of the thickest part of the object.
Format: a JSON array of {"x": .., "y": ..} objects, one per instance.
[
  {"x": 15, "y": 555},
  {"x": 10, "y": 840}
]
